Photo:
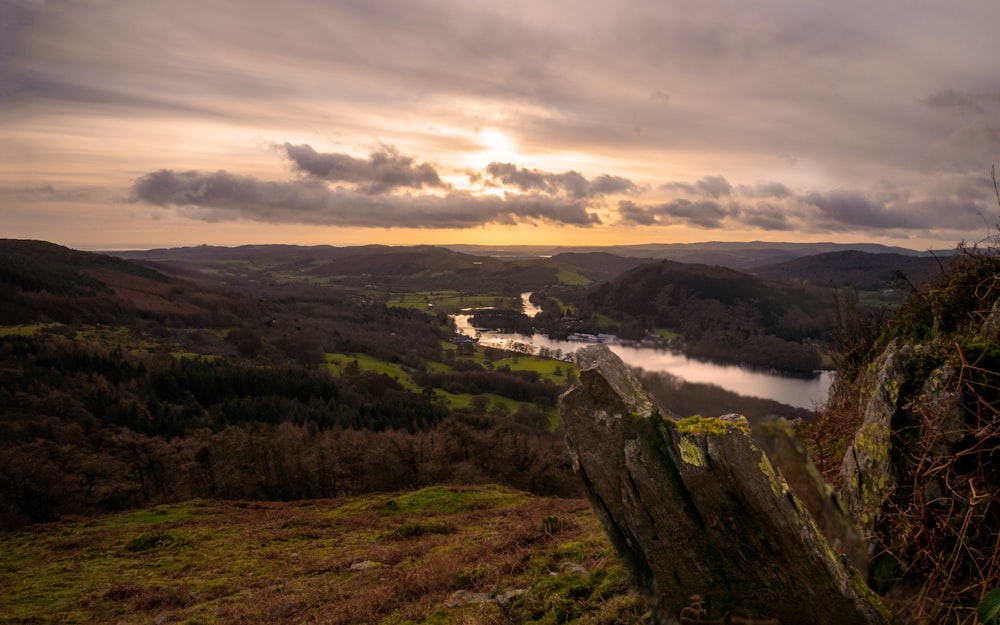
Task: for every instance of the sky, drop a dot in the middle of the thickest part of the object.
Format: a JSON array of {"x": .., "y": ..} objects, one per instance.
[{"x": 133, "y": 124}]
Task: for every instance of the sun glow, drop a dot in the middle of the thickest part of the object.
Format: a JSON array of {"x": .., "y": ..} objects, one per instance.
[{"x": 497, "y": 146}]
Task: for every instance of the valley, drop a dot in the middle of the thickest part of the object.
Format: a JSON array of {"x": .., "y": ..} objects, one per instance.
[{"x": 218, "y": 380}]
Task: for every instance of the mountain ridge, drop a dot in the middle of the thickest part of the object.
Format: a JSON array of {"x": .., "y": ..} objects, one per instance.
[{"x": 735, "y": 254}]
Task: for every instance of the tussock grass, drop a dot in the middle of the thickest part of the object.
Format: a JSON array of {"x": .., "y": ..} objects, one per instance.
[{"x": 391, "y": 559}]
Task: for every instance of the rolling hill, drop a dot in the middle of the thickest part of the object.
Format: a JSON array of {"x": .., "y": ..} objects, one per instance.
[
  {"x": 733, "y": 254},
  {"x": 41, "y": 281},
  {"x": 864, "y": 271}
]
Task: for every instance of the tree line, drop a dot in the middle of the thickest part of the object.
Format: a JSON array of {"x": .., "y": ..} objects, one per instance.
[
  {"x": 720, "y": 314},
  {"x": 89, "y": 428}
]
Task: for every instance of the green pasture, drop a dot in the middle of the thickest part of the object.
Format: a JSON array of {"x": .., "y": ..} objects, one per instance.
[
  {"x": 550, "y": 369},
  {"x": 337, "y": 363},
  {"x": 572, "y": 278},
  {"x": 445, "y": 301},
  {"x": 556, "y": 371}
]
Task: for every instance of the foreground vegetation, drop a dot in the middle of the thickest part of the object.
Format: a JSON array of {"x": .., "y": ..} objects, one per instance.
[
  {"x": 439, "y": 555},
  {"x": 936, "y": 540},
  {"x": 89, "y": 427}
]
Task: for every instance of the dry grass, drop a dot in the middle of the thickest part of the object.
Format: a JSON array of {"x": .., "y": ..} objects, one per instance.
[
  {"x": 944, "y": 524},
  {"x": 386, "y": 559}
]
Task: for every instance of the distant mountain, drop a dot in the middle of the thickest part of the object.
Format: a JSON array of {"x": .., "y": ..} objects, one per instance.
[
  {"x": 736, "y": 255},
  {"x": 862, "y": 270}
]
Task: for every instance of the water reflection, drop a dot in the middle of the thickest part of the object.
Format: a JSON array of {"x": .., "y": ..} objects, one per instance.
[{"x": 810, "y": 393}]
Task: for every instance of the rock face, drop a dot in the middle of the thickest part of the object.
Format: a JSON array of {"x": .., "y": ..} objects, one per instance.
[
  {"x": 867, "y": 467},
  {"x": 709, "y": 527},
  {"x": 919, "y": 477}
]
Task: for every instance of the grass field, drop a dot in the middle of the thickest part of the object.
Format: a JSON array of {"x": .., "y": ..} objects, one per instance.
[
  {"x": 571, "y": 278},
  {"x": 448, "y": 301},
  {"x": 438, "y": 555},
  {"x": 558, "y": 372}
]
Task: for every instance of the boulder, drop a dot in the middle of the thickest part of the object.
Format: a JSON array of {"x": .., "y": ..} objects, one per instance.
[{"x": 707, "y": 524}]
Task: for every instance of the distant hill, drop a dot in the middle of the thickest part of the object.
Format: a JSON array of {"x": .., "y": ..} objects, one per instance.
[
  {"x": 316, "y": 258},
  {"x": 597, "y": 266},
  {"x": 721, "y": 313},
  {"x": 523, "y": 267},
  {"x": 41, "y": 281},
  {"x": 418, "y": 267},
  {"x": 736, "y": 255},
  {"x": 654, "y": 288},
  {"x": 862, "y": 270},
  {"x": 368, "y": 266}
]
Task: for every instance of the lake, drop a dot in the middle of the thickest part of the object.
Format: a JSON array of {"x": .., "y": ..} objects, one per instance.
[{"x": 810, "y": 392}]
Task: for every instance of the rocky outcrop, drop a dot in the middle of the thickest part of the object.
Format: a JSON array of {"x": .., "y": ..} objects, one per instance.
[
  {"x": 789, "y": 455},
  {"x": 708, "y": 525},
  {"x": 919, "y": 477},
  {"x": 867, "y": 468}
]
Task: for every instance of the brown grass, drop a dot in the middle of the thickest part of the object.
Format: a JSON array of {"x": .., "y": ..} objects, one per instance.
[{"x": 332, "y": 562}]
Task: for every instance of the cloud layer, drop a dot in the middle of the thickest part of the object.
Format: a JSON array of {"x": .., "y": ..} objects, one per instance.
[
  {"x": 383, "y": 170},
  {"x": 667, "y": 121},
  {"x": 338, "y": 189}
]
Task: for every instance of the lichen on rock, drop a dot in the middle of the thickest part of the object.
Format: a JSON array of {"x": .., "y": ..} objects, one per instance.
[{"x": 696, "y": 509}]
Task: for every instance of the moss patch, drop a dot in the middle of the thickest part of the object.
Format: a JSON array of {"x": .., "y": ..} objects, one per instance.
[
  {"x": 709, "y": 425},
  {"x": 691, "y": 452}
]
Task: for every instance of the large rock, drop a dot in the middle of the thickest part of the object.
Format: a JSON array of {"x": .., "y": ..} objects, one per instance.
[
  {"x": 867, "y": 466},
  {"x": 709, "y": 527},
  {"x": 919, "y": 477}
]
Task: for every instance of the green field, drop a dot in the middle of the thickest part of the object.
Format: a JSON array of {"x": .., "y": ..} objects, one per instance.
[
  {"x": 571, "y": 278},
  {"x": 448, "y": 301},
  {"x": 558, "y": 372}
]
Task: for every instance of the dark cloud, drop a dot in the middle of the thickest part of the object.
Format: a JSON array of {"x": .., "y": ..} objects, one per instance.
[
  {"x": 769, "y": 189},
  {"x": 709, "y": 186},
  {"x": 852, "y": 208},
  {"x": 630, "y": 212},
  {"x": 223, "y": 196},
  {"x": 962, "y": 203},
  {"x": 383, "y": 170},
  {"x": 570, "y": 182},
  {"x": 225, "y": 190},
  {"x": 609, "y": 185},
  {"x": 704, "y": 213},
  {"x": 766, "y": 217},
  {"x": 701, "y": 214}
]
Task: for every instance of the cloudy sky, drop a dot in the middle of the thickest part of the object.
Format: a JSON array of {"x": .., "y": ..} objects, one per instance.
[{"x": 129, "y": 124}]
